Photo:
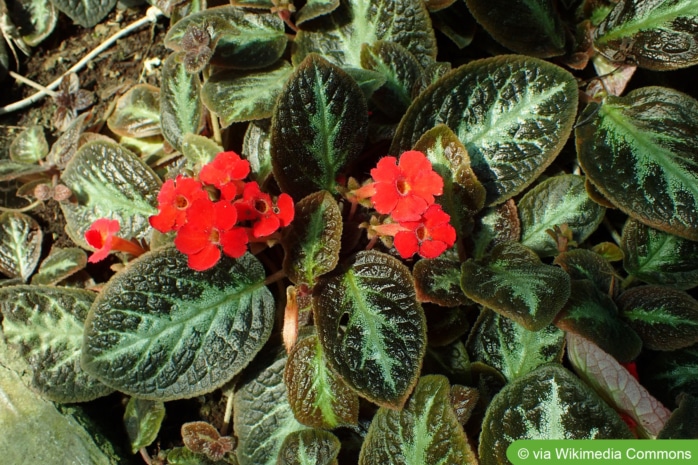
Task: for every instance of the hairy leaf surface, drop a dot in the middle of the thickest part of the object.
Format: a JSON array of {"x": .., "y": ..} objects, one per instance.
[
  {"x": 29, "y": 146},
  {"x": 60, "y": 264},
  {"x": 137, "y": 112},
  {"x": 181, "y": 109},
  {"x": 20, "y": 244},
  {"x": 309, "y": 447}
]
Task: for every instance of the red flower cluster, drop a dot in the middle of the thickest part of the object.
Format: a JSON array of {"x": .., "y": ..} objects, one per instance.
[
  {"x": 406, "y": 192},
  {"x": 240, "y": 213}
]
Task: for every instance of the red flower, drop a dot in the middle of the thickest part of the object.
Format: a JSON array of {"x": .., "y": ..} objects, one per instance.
[
  {"x": 174, "y": 200},
  {"x": 101, "y": 236},
  {"x": 430, "y": 236},
  {"x": 267, "y": 216},
  {"x": 210, "y": 226},
  {"x": 226, "y": 172},
  {"x": 405, "y": 190}
]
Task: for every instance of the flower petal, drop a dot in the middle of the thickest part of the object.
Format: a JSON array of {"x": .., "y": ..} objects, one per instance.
[
  {"x": 406, "y": 243},
  {"x": 204, "y": 259},
  {"x": 191, "y": 239},
  {"x": 265, "y": 226},
  {"x": 286, "y": 209},
  {"x": 413, "y": 162},
  {"x": 225, "y": 215},
  {"x": 386, "y": 170},
  {"x": 432, "y": 249},
  {"x": 409, "y": 208},
  {"x": 385, "y": 198},
  {"x": 234, "y": 242}
]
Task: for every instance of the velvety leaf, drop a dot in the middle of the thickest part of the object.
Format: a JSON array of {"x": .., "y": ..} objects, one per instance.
[
  {"x": 309, "y": 447},
  {"x": 585, "y": 264},
  {"x": 379, "y": 350},
  {"x": 137, "y": 112},
  {"x": 199, "y": 150},
  {"x": 446, "y": 324},
  {"x": 243, "y": 39},
  {"x": 664, "y": 318},
  {"x": 456, "y": 23},
  {"x": 639, "y": 152},
  {"x": 35, "y": 18},
  {"x": 548, "y": 403},
  {"x": 239, "y": 96},
  {"x": 668, "y": 374},
  {"x": 67, "y": 144},
  {"x": 510, "y": 348},
  {"x": 404, "y": 22},
  {"x": 438, "y": 280},
  {"x": 322, "y": 110},
  {"x": 262, "y": 416},
  {"x": 256, "y": 148},
  {"x": 142, "y": 419},
  {"x": 183, "y": 456},
  {"x": 495, "y": 226},
  {"x": 657, "y": 257},
  {"x": 514, "y": 282},
  {"x": 426, "y": 430},
  {"x": 450, "y": 360},
  {"x": 317, "y": 396},
  {"x": 512, "y": 113},
  {"x": 313, "y": 240},
  {"x": 655, "y": 34},
  {"x": 181, "y": 109},
  {"x": 202, "y": 437},
  {"x": 681, "y": 424},
  {"x": 109, "y": 182},
  {"x": 401, "y": 71},
  {"x": 556, "y": 201},
  {"x": 463, "y": 195},
  {"x": 60, "y": 264},
  {"x": 314, "y": 9},
  {"x": 464, "y": 401},
  {"x": 20, "y": 244},
  {"x": 593, "y": 315},
  {"x": 529, "y": 27},
  {"x": 10, "y": 169},
  {"x": 612, "y": 381},
  {"x": 431, "y": 73},
  {"x": 45, "y": 324},
  {"x": 29, "y": 146},
  {"x": 86, "y": 13},
  {"x": 180, "y": 332}
]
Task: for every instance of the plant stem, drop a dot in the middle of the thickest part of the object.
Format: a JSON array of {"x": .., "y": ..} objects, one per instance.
[
  {"x": 33, "y": 84},
  {"x": 23, "y": 209},
  {"x": 228, "y": 414},
  {"x": 150, "y": 17}
]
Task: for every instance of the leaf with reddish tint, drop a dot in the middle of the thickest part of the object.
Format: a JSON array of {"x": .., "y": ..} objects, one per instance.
[
  {"x": 612, "y": 381},
  {"x": 585, "y": 264},
  {"x": 496, "y": 225},
  {"x": 665, "y": 318},
  {"x": 309, "y": 446},
  {"x": 464, "y": 400},
  {"x": 318, "y": 397},
  {"x": 203, "y": 438},
  {"x": 137, "y": 112},
  {"x": 437, "y": 280}
]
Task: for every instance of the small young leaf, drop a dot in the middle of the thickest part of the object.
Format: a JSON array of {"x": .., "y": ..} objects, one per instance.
[
  {"x": 109, "y": 182},
  {"x": 256, "y": 148},
  {"x": 529, "y": 27},
  {"x": 20, "y": 245},
  {"x": 510, "y": 348},
  {"x": 548, "y": 403},
  {"x": 379, "y": 350},
  {"x": 29, "y": 146},
  {"x": 309, "y": 446},
  {"x": 556, "y": 201},
  {"x": 199, "y": 150},
  {"x": 657, "y": 257},
  {"x": 181, "y": 110},
  {"x": 36, "y": 19},
  {"x": 603, "y": 373},
  {"x": 512, "y": 113},
  {"x": 496, "y": 225},
  {"x": 514, "y": 282},
  {"x": 60, "y": 264},
  {"x": 314, "y": 9},
  {"x": 45, "y": 324},
  {"x": 438, "y": 280},
  {"x": 160, "y": 330},
  {"x": 593, "y": 315},
  {"x": 585, "y": 264},
  {"x": 239, "y": 96},
  {"x": 426, "y": 430},
  {"x": 313, "y": 241},
  {"x": 664, "y": 318},
  {"x": 142, "y": 419},
  {"x": 638, "y": 150},
  {"x": 323, "y": 112},
  {"x": 203, "y": 438},
  {"x": 137, "y": 112}
]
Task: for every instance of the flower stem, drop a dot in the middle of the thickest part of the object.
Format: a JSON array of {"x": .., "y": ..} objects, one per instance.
[{"x": 277, "y": 276}]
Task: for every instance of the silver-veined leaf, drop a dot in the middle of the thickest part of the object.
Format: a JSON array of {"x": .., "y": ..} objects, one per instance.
[
  {"x": 495, "y": 226},
  {"x": 20, "y": 244},
  {"x": 137, "y": 112},
  {"x": 87, "y": 13},
  {"x": 438, "y": 280},
  {"x": 160, "y": 330},
  {"x": 181, "y": 109},
  {"x": 669, "y": 374},
  {"x": 639, "y": 151},
  {"x": 309, "y": 447},
  {"x": 512, "y": 113},
  {"x": 60, "y": 264},
  {"x": 585, "y": 264},
  {"x": 199, "y": 150},
  {"x": 36, "y": 19},
  {"x": 371, "y": 327},
  {"x": 29, "y": 146}
]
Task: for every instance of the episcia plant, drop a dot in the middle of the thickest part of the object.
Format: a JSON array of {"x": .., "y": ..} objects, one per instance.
[{"x": 337, "y": 246}]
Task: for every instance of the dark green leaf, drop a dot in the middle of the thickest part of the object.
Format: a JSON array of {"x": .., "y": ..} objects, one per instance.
[
  {"x": 510, "y": 348},
  {"x": 681, "y": 424},
  {"x": 585, "y": 264},
  {"x": 239, "y": 96},
  {"x": 657, "y": 257},
  {"x": 548, "y": 403},
  {"x": 181, "y": 109},
  {"x": 45, "y": 324},
  {"x": 512, "y": 113},
  {"x": 20, "y": 245},
  {"x": 60, "y": 264},
  {"x": 668, "y": 374},
  {"x": 456, "y": 23},
  {"x": 309, "y": 447},
  {"x": 639, "y": 151},
  {"x": 425, "y": 431},
  {"x": 593, "y": 315},
  {"x": 142, "y": 419},
  {"x": 446, "y": 325},
  {"x": 314, "y": 9},
  {"x": 323, "y": 111},
  {"x": 199, "y": 150},
  {"x": 87, "y": 13},
  {"x": 556, "y": 201},
  {"x": 160, "y": 330},
  {"x": 368, "y": 81},
  {"x": 29, "y": 146},
  {"x": 10, "y": 169},
  {"x": 495, "y": 226},
  {"x": 655, "y": 34},
  {"x": 256, "y": 149},
  {"x": 514, "y": 282},
  {"x": 530, "y": 27},
  {"x": 372, "y": 328},
  {"x": 36, "y": 19},
  {"x": 313, "y": 241},
  {"x": 664, "y": 318},
  {"x": 137, "y": 112},
  {"x": 438, "y": 280}
]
